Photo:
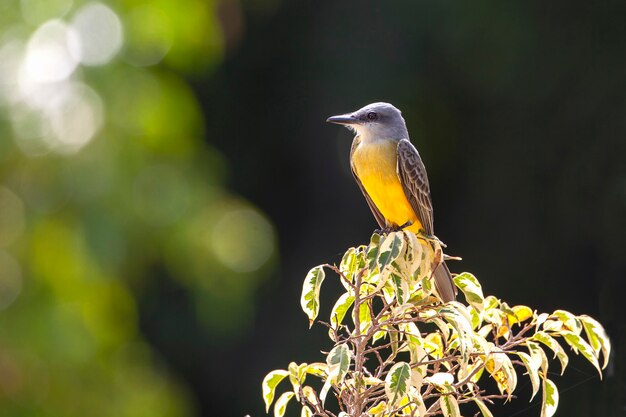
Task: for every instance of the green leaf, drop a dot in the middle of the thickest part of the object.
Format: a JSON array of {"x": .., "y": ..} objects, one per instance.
[
  {"x": 471, "y": 288},
  {"x": 341, "y": 308},
  {"x": 597, "y": 337},
  {"x": 390, "y": 249},
  {"x": 270, "y": 382},
  {"x": 532, "y": 368},
  {"x": 281, "y": 403},
  {"x": 483, "y": 408},
  {"x": 558, "y": 350},
  {"x": 373, "y": 251},
  {"x": 397, "y": 382},
  {"x": 310, "y": 300},
  {"x": 401, "y": 287},
  {"x": 449, "y": 406},
  {"x": 579, "y": 344},
  {"x": 338, "y": 361},
  {"x": 550, "y": 399}
]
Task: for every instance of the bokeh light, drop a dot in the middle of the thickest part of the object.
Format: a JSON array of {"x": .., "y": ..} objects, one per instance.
[
  {"x": 243, "y": 240},
  {"x": 109, "y": 188},
  {"x": 100, "y": 34}
]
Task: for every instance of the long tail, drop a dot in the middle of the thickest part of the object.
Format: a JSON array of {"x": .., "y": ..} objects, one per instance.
[{"x": 444, "y": 284}]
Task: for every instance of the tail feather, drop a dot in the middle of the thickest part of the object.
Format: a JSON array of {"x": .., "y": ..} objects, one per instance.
[{"x": 444, "y": 284}]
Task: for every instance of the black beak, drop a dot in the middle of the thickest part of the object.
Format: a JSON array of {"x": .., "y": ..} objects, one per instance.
[{"x": 344, "y": 119}]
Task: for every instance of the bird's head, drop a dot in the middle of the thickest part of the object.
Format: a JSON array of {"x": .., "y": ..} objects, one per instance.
[{"x": 374, "y": 121}]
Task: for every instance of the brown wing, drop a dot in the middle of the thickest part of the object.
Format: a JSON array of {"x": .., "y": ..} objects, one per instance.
[
  {"x": 414, "y": 180},
  {"x": 377, "y": 214}
]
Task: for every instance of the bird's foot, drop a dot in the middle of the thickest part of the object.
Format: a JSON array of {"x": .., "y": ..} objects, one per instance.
[
  {"x": 405, "y": 225},
  {"x": 384, "y": 231},
  {"x": 430, "y": 238}
]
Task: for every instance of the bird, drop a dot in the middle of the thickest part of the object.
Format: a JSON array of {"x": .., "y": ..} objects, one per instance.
[{"x": 389, "y": 171}]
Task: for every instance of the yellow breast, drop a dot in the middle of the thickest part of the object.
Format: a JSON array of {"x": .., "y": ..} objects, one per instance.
[{"x": 375, "y": 165}]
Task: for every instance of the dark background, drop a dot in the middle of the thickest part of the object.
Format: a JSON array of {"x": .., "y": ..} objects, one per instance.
[{"x": 518, "y": 110}]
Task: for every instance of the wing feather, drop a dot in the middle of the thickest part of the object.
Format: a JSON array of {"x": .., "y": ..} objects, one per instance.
[{"x": 412, "y": 174}]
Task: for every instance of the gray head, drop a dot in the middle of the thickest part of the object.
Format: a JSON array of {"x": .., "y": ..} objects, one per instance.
[{"x": 374, "y": 121}]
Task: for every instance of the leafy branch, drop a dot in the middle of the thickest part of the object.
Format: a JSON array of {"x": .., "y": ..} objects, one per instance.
[{"x": 404, "y": 353}]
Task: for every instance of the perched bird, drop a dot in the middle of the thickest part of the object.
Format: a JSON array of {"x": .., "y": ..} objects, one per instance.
[{"x": 392, "y": 177}]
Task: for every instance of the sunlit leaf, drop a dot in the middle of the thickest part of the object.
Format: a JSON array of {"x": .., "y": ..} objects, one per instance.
[
  {"x": 348, "y": 266},
  {"x": 295, "y": 378},
  {"x": 550, "y": 400},
  {"x": 317, "y": 369},
  {"x": 484, "y": 410},
  {"x": 281, "y": 403},
  {"x": 365, "y": 318},
  {"x": 401, "y": 287},
  {"x": 306, "y": 412},
  {"x": 377, "y": 409},
  {"x": 558, "y": 350},
  {"x": 440, "y": 380},
  {"x": 373, "y": 251},
  {"x": 501, "y": 369},
  {"x": 471, "y": 288},
  {"x": 269, "y": 384},
  {"x": 538, "y": 355},
  {"x": 310, "y": 300},
  {"x": 338, "y": 361},
  {"x": 579, "y": 344},
  {"x": 597, "y": 337},
  {"x": 532, "y": 369},
  {"x": 340, "y": 309},
  {"x": 390, "y": 248},
  {"x": 522, "y": 313},
  {"x": 397, "y": 382},
  {"x": 569, "y": 320},
  {"x": 449, "y": 406}
]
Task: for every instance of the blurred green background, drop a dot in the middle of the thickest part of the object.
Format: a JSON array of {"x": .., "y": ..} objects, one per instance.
[{"x": 167, "y": 179}]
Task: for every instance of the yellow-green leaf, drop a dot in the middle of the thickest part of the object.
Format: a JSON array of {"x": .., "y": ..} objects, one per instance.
[
  {"x": 281, "y": 403},
  {"x": 558, "y": 350},
  {"x": 550, "y": 399},
  {"x": 471, "y": 288},
  {"x": 579, "y": 344},
  {"x": 270, "y": 382},
  {"x": 340, "y": 308},
  {"x": 532, "y": 368},
  {"x": 569, "y": 320},
  {"x": 449, "y": 406},
  {"x": 597, "y": 337},
  {"x": 397, "y": 382},
  {"x": 317, "y": 369},
  {"x": 522, "y": 313},
  {"x": 310, "y": 300},
  {"x": 390, "y": 248},
  {"x": 338, "y": 361},
  {"x": 377, "y": 409},
  {"x": 538, "y": 356},
  {"x": 306, "y": 412},
  {"x": 484, "y": 410}
]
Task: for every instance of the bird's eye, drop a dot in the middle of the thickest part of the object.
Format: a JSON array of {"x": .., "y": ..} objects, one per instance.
[{"x": 372, "y": 115}]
